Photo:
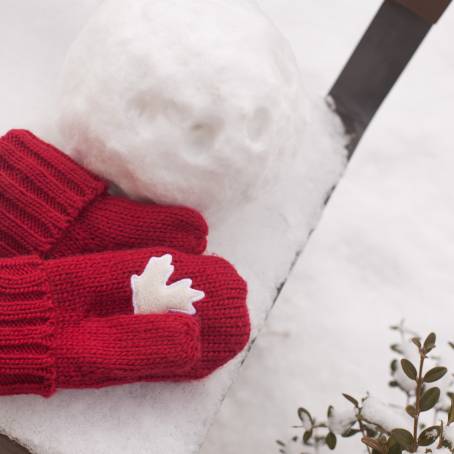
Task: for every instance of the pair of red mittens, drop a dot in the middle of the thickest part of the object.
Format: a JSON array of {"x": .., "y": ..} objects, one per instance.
[{"x": 67, "y": 320}]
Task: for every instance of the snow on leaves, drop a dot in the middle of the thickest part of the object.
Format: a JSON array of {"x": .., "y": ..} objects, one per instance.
[
  {"x": 152, "y": 295},
  {"x": 392, "y": 429}
]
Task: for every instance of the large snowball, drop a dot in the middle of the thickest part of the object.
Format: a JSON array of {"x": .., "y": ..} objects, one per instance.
[{"x": 184, "y": 102}]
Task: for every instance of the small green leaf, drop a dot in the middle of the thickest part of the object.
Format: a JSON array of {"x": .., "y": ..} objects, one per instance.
[
  {"x": 307, "y": 436},
  {"x": 404, "y": 438},
  {"x": 416, "y": 341},
  {"x": 393, "y": 384},
  {"x": 331, "y": 441},
  {"x": 393, "y": 446},
  {"x": 370, "y": 432},
  {"x": 350, "y": 433},
  {"x": 435, "y": 374},
  {"x": 395, "y": 449},
  {"x": 451, "y": 410},
  {"x": 329, "y": 412},
  {"x": 429, "y": 343},
  {"x": 302, "y": 413},
  {"x": 280, "y": 443},
  {"x": 411, "y": 410},
  {"x": 351, "y": 399},
  {"x": 429, "y": 435},
  {"x": 393, "y": 366},
  {"x": 409, "y": 369},
  {"x": 396, "y": 348},
  {"x": 429, "y": 399}
]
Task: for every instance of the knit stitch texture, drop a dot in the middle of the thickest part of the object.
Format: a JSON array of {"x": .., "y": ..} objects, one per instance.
[
  {"x": 51, "y": 206},
  {"x": 69, "y": 323},
  {"x": 50, "y": 337}
]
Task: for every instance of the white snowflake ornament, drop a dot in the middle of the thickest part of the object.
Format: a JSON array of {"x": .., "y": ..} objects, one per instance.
[{"x": 152, "y": 295}]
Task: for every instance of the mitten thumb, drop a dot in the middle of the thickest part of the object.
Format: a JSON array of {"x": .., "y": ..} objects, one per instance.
[{"x": 125, "y": 349}]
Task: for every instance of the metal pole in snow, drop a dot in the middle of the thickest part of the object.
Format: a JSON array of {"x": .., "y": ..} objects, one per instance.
[{"x": 387, "y": 46}]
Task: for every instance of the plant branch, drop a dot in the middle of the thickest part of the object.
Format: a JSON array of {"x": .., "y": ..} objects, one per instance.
[
  {"x": 419, "y": 383},
  {"x": 363, "y": 430},
  {"x": 440, "y": 441}
]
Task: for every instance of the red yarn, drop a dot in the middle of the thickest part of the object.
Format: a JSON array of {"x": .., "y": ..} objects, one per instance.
[
  {"x": 51, "y": 206},
  {"x": 69, "y": 323}
]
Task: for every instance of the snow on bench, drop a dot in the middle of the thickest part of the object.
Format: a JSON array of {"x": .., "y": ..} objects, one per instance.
[{"x": 262, "y": 239}]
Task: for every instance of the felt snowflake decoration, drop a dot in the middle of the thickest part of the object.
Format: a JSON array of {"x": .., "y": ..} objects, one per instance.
[{"x": 152, "y": 295}]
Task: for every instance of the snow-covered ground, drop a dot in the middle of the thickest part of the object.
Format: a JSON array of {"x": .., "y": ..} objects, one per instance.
[{"x": 384, "y": 249}]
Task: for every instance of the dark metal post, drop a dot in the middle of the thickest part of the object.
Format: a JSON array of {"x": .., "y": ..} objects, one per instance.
[
  {"x": 429, "y": 10},
  {"x": 379, "y": 59},
  {"x": 381, "y": 56}
]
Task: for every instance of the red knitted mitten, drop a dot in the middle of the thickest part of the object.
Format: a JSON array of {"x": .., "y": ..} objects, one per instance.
[
  {"x": 51, "y": 206},
  {"x": 49, "y": 340},
  {"x": 77, "y": 323},
  {"x": 222, "y": 313}
]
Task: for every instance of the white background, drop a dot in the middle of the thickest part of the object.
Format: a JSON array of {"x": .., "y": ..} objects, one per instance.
[{"x": 383, "y": 250}]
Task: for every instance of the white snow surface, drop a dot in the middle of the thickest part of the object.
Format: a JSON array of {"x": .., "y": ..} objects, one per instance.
[
  {"x": 306, "y": 421},
  {"x": 197, "y": 103},
  {"x": 383, "y": 251},
  {"x": 261, "y": 237},
  {"x": 448, "y": 434},
  {"x": 340, "y": 421},
  {"x": 380, "y": 413}
]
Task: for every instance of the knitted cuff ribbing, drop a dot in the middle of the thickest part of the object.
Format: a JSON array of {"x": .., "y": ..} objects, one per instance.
[
  {"x": 41, "y": 192},
  {"x": 27, "y": 364}
]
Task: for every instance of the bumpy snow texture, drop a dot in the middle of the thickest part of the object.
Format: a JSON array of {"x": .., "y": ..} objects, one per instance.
[{"x": 193, "y": 103}]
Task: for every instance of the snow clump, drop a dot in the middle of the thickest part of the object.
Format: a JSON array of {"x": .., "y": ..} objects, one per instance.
[{"x": 195, "y": 103}]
